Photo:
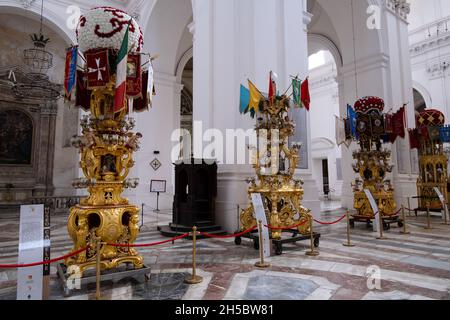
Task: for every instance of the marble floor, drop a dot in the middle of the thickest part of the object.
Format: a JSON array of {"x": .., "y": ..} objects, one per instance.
[{"x": 414, "y": 266}]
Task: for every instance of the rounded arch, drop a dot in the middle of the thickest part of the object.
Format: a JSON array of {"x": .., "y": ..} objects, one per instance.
[
  {"x": 51, "y": 20},
  {"x": 320, "y": 41},
  {"x": 335, "y": 22},
  {"x": 322, "y": 143},
  {"x": 424, "y": 93},
  {"x": 188, "y": 55},
  {"x": 172, "y": 17}
]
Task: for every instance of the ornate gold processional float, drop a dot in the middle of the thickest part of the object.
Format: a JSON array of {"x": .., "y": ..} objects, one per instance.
[
  {"x": 275, "y": 164},
  {"x": 370, "y": 126},
  {"x": 107, "y": 143},
  {"x": 433, "y": 162}
]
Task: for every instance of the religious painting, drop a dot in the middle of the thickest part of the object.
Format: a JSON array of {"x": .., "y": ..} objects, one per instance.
[
  {"x": 134, "y": 76},
  {"x": 16, "y": 138}
]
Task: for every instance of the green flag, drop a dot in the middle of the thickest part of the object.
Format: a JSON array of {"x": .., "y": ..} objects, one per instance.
[{"x": 296, "y": 92}]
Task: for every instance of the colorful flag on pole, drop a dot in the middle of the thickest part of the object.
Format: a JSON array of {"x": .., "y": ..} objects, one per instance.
[
  {"x": 414, "y": 138},
  {"x": 121, "y": 74},
  {"x": 398, "y": 124},
  {"x": 305, "y": 97},
  {"x": 351, "y": 116},
  {"x": 70, "y": 71},
  {"x": 296, "y": 92},
  {"x": 244, "y": 99},
  {"x": 83, "y": 94},
  {"x": 340, "y": 131},
  {"x": 97, "y": 68},
  {"x": 150, "y": 83},
  {"x": 255, "y": 98},
  {"x": 445, "y": 134},
  {"x": 134, "y": 76},
  {"x": 271, "y": 88}
]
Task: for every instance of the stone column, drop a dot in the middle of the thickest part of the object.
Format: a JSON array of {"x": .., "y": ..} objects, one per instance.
[
  {"x": 383, "y": 71},
  {"x": 45, "y": 156},
  {"x": 234, "y": 41}
]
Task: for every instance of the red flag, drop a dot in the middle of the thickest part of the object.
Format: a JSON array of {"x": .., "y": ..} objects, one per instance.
[
  {"x": 388, "y": 120},
  {"x": 398, "y": 123},
  {"x": 134, "y": 76},
  {"x": 83, "y": 95},
  {"x": 414, "y": 138},
  {"x": 306, "y": 99},
  {"x": 98, "y": 68},
  {"x": 271, "y": 88}
]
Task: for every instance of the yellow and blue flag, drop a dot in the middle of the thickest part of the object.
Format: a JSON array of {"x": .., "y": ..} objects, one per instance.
[
  {"x": 244, "y": 99},
  {"x": 255, "y": 98}
]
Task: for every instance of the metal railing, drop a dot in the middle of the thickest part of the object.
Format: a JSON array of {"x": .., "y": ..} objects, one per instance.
[{"x": 58, "y": 204}]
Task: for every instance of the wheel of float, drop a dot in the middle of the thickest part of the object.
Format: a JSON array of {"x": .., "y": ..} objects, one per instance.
[
  {"x": 256, "y": 244},
  {"x": 386, "y": 226},
  {"x": 352, "y": 223},
  {"x": 278, "y": 248},
  {"x": 316, "y": 242},
  {"x": 238, "y": 241},
  {"x": 400, "y": 224}
]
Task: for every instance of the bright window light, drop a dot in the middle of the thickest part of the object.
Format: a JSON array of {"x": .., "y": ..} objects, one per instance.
[{"x": 316, "y": 60}]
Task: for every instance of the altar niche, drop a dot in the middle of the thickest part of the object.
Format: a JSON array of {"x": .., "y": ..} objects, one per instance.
[
  {"x": 27, "y": 146},
  {"x": 16, "y": 137}
]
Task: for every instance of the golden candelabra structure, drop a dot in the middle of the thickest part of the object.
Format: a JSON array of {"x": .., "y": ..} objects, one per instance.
[
  {"x": 372, "y": 162},
  {"x": 433, "y": 163},
  {"x": 275, "y": 164},
  {"x": 106, "y": 147}
]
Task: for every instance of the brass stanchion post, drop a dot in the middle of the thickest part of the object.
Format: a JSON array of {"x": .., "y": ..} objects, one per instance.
[
  {"x": 98, "y": 274},
  {"x": 445, "y": 214},
  {"x": 404, "y": 222},
  {"x": 261, "y": 263},
  {"x": 194, "y": 278},
  {"x": 348, "y": 244},
  {"x": 312, "y": 252},
  {"x": 428, "y": 227},
  {"x": 409, "y": 207},
  {"x": 380, "y": 219}
]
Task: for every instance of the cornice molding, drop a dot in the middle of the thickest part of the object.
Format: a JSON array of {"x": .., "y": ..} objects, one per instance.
[{"x": 401, "y": 8}]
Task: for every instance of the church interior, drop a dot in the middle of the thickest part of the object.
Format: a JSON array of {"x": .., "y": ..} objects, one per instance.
[{"x": 224, "y": 150}]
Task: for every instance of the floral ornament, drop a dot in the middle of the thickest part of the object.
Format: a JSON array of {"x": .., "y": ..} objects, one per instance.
[{"x": 105, "y": 27}]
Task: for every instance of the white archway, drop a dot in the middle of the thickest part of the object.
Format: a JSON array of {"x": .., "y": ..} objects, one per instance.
[{"x": 424, "y": 92}]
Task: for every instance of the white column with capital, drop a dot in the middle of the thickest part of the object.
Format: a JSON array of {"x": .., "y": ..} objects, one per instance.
[
  {"x": 236, "y": 40},
  {"x": 384, "y": 71}
]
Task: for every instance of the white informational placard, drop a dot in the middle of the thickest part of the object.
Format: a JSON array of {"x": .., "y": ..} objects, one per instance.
[
  {"x": 260, "y": 214},
  {"x": 374, "y": 206},
  {"x": 442, "y": 199},
  {"x": 31, "y": 249},
  {"x": 158, "y": 186},
  {"x": 439, "y": 194}
]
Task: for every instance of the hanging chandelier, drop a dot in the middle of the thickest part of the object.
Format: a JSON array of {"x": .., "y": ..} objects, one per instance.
[{"x": 38, "y": 61}]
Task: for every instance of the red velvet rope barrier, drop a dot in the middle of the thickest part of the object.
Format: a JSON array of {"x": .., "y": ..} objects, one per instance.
[
  {"x": 330, "y": 223},
  {"x": 148, "y": 244},
  {"x": 395, "y": 213},
  {"x": 11, "y": 266},
  {"x": 287, "y": 228},
  {"x": 228, "y": 236}
]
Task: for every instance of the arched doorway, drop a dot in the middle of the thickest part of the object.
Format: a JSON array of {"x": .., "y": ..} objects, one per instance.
[
  {"x": 419, "y": 101},
  {"x": 326, "y": 154}
]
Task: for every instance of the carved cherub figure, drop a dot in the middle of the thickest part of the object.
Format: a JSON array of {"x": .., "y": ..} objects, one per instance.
[{"x": 133, "y": 141}]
